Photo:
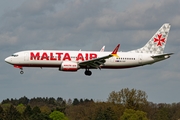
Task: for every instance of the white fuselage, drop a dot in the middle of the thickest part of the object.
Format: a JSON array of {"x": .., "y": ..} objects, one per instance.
[
  {"x": 150, "y": 53},
  {"x": 52, "y": 58}
]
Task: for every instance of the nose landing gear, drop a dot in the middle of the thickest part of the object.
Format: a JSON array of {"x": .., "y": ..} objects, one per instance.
[
  {"x": 21, "y": 72},
  {"x": 20, "y": 67}
]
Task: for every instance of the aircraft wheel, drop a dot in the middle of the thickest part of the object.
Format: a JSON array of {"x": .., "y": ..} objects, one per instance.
[
  {"x": 88, "y": 73},
  {"x": 21, "y": 72}
]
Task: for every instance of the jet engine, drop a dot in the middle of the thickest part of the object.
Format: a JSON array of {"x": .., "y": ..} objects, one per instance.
[{"x": 69, "y": 66}]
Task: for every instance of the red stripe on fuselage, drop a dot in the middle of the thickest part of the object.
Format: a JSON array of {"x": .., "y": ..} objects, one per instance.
[{"x": 57, "y": 66}]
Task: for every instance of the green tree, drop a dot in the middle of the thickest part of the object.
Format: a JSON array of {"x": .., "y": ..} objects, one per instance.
[
  {"x": 130, "y": 114},
  {"x": 23, "y": 100},
  {"x": 107, "y": 114},
  {"x": 12, "y": 114},
  {"x": 131, "y": 99},
  {"x": 100, "y": 115},
  {"x": 5, "y": 101},
  {"x": 39, "y": 116},
  {"x": 56, "y": 115},
  {"x": 20, "y": 108},
  {"x": 176, "y": 111},
  {"x": 110, "y": 114},
  {"x": 163, "y": 112},
  {"x": 1, "y": 113},
  {"x": 52, "y": 101},
  {"x": 45, "y": 109},
  {"x": 27, "y": 112},
  {"x": 36, "y": 110},
  {"x": 75, "y": 101},
  {"x": 6, "y": 106},
  {"x": 60, "y": 101}
]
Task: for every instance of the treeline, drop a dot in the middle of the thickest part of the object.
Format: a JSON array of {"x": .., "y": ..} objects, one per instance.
[{"x": 122, "y": 105}]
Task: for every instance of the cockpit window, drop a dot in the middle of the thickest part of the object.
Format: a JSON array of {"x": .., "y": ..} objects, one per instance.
[{"x": 14, "y": 55}]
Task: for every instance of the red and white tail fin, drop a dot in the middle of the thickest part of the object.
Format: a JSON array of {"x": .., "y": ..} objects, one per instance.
[
  {"x": 157, "y": 43},
  {"x": 102, "y": 49},
  {"x": 114, "y": 52}
]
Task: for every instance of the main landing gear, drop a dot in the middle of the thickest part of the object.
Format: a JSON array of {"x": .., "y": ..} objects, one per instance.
[{"x": 88, "y": 72}]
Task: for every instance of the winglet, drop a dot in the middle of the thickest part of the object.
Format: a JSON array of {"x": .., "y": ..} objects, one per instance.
[
  {"x": 102, "y": 49},
  {"x": 114, "y": 53}
]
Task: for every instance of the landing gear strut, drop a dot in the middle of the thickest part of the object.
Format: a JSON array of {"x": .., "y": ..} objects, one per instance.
[
  {"x": 88, "y": 72},
  {"x": 21, "y": 72}
]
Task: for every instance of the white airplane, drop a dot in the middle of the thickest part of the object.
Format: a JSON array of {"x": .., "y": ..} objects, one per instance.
[{"x": 74, "y": 60}]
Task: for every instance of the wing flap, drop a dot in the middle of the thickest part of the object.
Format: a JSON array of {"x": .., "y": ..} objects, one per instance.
[{"x": 97, "y": 62}]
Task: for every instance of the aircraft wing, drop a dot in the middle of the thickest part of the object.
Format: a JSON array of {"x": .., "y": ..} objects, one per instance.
[
  {"x": 97, "y": 62},
  {"x": 166, "y": 55}
]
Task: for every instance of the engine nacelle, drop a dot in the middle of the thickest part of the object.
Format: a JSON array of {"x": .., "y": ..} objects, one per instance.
[{"x": 69, "y": 66}]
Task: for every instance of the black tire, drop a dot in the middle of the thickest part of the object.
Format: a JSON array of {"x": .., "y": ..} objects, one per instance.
[
  {"x": 88, "y": 73},
  {"x": 21, "y": 72}
]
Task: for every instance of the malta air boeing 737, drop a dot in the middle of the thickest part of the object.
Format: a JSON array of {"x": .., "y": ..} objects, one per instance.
[{"x": 74, "y": 60}]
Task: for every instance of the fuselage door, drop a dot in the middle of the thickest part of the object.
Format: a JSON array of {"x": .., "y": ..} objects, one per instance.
[
  {"x": 140, "y": 59},
  {"x": 26, "y": 56}
]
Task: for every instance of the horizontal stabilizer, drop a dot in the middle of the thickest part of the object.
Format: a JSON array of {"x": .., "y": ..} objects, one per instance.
[{"x": 166, "y": 55}]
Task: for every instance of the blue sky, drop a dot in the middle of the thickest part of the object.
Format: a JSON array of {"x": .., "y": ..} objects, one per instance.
[{"x": 88, "y": 25}]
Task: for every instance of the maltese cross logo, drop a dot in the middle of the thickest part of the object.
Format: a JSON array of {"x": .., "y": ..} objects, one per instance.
[{"x": 159, "y": 40}]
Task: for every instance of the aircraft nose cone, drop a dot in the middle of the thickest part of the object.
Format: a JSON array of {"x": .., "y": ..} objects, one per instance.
[{"x": 8, "y": 60}]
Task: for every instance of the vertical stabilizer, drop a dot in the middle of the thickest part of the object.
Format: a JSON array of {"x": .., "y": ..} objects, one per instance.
[{"x": 157, "y": 43}]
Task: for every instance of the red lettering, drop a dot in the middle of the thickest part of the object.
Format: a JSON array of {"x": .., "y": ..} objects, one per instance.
[
  {"x": 34, "y": 57},
  {"x": 86, "y": 56},
  {"x": 44, "y": 56},
  {"x": 92, "y": 56},
  {"x": 52, "y": 57},
  {"x": 59, "y": 55},
  {"x": 67, "y": 57},
  {"x": 80, "y": 57}
]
